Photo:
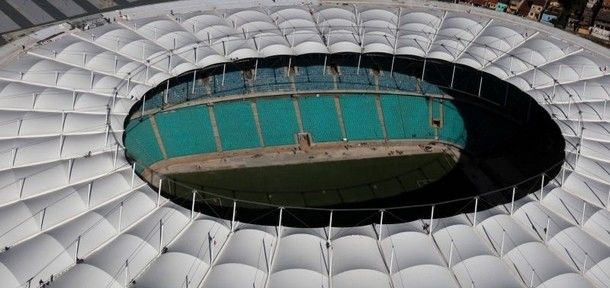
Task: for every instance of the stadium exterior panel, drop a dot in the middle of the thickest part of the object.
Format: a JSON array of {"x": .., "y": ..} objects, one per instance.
[{"x": 75, "y": 213}]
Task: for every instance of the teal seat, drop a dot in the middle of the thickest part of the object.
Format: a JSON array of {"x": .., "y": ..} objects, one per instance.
[
  {"x": 278, "y": 121},
  {"x": 141, "y": 141},
  {"x": 453, "y": 129},
  {"x": 406, "y": 117},
  {"x": 360, "y": 117},
  {"x": 186, "y": 131},
  {"x": 236, "y": 125},
  {"x": 319, "y": 117}
]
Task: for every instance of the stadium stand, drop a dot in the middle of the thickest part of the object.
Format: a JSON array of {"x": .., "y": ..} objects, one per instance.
[
  {"x": 352, "y": 78},
  {"x": 201, "y": 89},
  {"x": 405, "y": 82},
  {"x": 236, "y": 125},
  {"x": 179, "y": 91},
  {"x": 319, "y": 116},
  {"x": 277, "y": 120},
  {"x": 196, "y": 137},
  {"x": 453, "y": 129},
  {"x": 403, "y": 117},
  {"x": 146, "y": 149},
  {"x": 154, "y": 99},
  {"x": 232, "y": 84},
  {"x": 81, "y": 215},
  {"x": 360, "y": 117},
  {"x": 271, "y": 79},
  {"x": 428, "y": 88},
  {"x": 312, "y": 77}
]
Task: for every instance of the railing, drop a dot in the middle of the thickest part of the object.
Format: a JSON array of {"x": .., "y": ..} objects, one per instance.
[{"x": 223, "y": 206}]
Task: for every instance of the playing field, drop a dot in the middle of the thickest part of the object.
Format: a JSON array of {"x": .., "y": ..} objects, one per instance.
[{"x": 324, "y": 183}]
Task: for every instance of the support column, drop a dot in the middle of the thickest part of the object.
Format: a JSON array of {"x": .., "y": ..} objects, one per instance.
[
  {"x": 159, "y": 192},
  {"x": 423, "y": 71},
  {"x": 512, "y": 201},
  {"x": 77, "y": 248},
  {"x": 166, "y": 94},
  {"x": 224, "y": 70},
  {"x": 391, "y": 261},
  {"x": 563, "y": 173},
  {"x": 44, "y": 213},
  {"x": 127, "y": 276},
  {"x": 546, "y": 230},
  {"x": 431, "y": 221},
  {"x": 22, "y": 184},
  {"x": 380, "y": 225},
  {"x": 160, "y": 235},
  {"x": 480, "y": 86},
  {"x": 584, "y": 209},
  {"x": 330, "y": 227},
  {"x": 233, "y": 216},
  {"x": 476, "y": 207},
  {"x": 329, "y": 250},
  {"x": 542, "y": 187},
  {"x": 324, "y": 68},
  {"x": 502, "y": 244},
  {"x": 255, "y": 70},
  {"x": 450, "y": 254},
  {"x": 584, "y": 263},
  {"x": 194, "y": 82},
  {"x": 279, "y": 223},
  {"x": 120, "y": 218},
  {"x": 133, "y": 174},
  {"x": 116, "y": 155},
  {"x": 193, "y": 203},
  {"x": 452, "y": 76},
  {"x": 89, "y": 190}
]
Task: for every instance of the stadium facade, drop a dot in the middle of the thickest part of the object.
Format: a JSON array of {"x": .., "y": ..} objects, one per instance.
[{"x": 74, "y": 211}]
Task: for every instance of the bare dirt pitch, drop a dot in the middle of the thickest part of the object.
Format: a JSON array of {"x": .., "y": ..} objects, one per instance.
[{"x": 321, "y": 175}]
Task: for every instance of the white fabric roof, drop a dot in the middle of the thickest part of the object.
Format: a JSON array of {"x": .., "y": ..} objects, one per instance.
[{"x": 54, "y": 98}]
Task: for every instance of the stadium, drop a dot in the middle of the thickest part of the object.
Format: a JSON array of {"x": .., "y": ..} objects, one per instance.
[{"x": 303, "y": 144}]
